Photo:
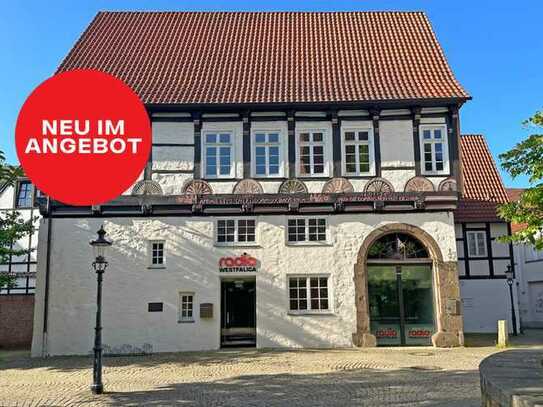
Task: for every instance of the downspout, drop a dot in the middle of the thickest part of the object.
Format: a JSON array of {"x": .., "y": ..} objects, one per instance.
[{"x": 47, "y": 271}]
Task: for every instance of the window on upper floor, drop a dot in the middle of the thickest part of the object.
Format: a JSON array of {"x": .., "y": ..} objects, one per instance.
[
  {"x": 307, "y": 231},
  {"x": 241, "y": 232},
  {"x": 267, "y": 156},
  {"x": 357, "y": 152},
  {"x": 218, "y": 154},
  {"x": 25, "y": 194},
  {"x": 476, "y": 243},
  {"x": 312, "y": 153},
  {"x": 434, "y": 149}
]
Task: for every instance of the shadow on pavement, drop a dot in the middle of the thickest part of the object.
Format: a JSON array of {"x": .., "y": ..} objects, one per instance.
[
  {"x": 528, "y": 338},
  {"x": 366, "y": 387}
]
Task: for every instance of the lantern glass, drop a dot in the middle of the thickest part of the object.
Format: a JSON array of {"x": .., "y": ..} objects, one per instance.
[
  {"x": 99, "y": 250},
  {"x": 100, "y": 245},
  {"x": 509, "y": 274}
]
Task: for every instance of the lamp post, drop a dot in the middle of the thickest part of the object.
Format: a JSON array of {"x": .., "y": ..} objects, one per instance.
[
  {"x": 99, "y": 247},
  {"x": 509, "y": 275}
]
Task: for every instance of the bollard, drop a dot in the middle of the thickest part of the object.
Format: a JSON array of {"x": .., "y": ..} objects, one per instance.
[{"x": 503, "y": 334}]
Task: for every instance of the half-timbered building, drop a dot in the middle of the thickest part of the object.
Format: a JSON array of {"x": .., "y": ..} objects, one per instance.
[
  {"x": 301, "y": 190},
  {"x": 17, "y": 299},
  {"x": 482, "y": 258}
]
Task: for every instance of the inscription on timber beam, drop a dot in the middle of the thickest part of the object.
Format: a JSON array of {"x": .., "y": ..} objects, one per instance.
[{"x": 289, "y": 199}]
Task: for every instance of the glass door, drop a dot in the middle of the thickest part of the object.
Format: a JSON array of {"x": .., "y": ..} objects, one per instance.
[
  {"x": 401, "y": 304},
  {"x": 384, "y": 305},
  {"x": 418, "y": 304}
]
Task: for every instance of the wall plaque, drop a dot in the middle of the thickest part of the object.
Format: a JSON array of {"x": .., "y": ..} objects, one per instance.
[{"x": 206, "y": 310}]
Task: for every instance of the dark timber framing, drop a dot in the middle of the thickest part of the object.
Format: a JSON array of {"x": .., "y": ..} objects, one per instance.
[
  {"x": 336, "y": 143},
  {"x": 490, "y": 258},
  {"x": 416, "y": 140},
  {"x": 197, "y": 113},
  {"x": 453, "y": 122},
  {"x": 376, "y": 140},
  {"x": 28, "y": 263},
  {"x": 291, "y": 125},
  {"x": 197, "y": 167},
  {"x": 246, "y": 145},
  {"x": 489, "y": 250},
  {"x": 236, "y": 204}
]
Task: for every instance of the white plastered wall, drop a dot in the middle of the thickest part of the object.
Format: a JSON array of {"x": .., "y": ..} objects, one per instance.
[{"x": 192, "y": 266}]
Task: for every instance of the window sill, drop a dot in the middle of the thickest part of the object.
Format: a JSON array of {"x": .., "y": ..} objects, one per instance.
[
  {"x": 186, "y": 321},
  {"x": 310, "y": 244},
  {"x": 208, "y": 179},
  {"x": 269, "y": 177},
  {"x": 156, "y": 267},
  {"x": 238, "y": 245},
  {"x": 319, "y": 177},
  {"x": 435, "y": 174},
  {"x": 311, "y": 313},
  {"x": 358, "y": 176}
]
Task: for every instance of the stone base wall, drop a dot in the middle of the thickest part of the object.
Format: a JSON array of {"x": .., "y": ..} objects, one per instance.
[
  {"x": 16, "y": 317},
  {"x": 513, "y": 378}
]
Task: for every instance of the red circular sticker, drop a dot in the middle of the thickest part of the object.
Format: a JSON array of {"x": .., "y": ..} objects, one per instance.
[{"x": 83, "y": 137}]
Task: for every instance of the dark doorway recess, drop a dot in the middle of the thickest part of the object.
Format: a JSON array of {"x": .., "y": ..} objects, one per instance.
[{"x": 238, "y": 313}]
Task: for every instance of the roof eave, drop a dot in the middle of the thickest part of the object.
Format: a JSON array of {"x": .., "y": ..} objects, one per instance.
[{"x": 369, "y": 104}]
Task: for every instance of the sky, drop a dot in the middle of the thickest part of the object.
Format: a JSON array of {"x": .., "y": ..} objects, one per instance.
[{"x": 495, "y": 49}]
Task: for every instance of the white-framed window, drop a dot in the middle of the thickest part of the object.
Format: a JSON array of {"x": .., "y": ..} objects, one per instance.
[
  {"x": 186, "y": 307},
  {"x": 307, "y": 231},
  {"x": 157, "y": 258},
  {"x": 218, "y": 154},
  {"x": 357, "y": 151},
  {"x": 476, "y": 243},
  {"x": 434, "y": 149},
  {"x": 267, "y": 153},
  {"x": 241, "y": 232},
  {"x": 313, "y": 149},
  {"x": 309, "y": 294}
]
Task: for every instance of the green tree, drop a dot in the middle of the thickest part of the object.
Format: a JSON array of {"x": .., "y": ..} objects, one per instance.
[
  {"x": 12, "y": 225},
  {"x": 526, "y": 158}
]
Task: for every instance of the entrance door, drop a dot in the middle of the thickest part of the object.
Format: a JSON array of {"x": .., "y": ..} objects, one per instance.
[
  {"x": 238, "y": 316},
  {"x": 401, "y": 304}
]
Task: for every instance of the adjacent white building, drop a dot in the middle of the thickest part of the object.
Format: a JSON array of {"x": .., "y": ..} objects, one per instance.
[{"x": 529, "y": 287}]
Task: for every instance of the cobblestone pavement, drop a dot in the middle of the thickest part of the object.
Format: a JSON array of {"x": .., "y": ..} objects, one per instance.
[{"x": 346, "y": 377}]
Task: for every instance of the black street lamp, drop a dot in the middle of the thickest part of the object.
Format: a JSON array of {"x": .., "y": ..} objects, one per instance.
[
  {"x": 99, "y": 246},
  {"x": 509, "y": 275}
]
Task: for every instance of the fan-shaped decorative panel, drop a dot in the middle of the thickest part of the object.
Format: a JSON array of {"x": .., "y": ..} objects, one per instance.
[
  {"x": 147, "y": 187},
  {"x": 293, "y": 186},
  {"x": 448, "y": 184},
  {"x": 337, "y": 185},
  {"x": 248, "y": 186},
  {"x": 419, "y": 184},
  {"x": 197, "y": 187},
  {"x": 378, "y": 185}
]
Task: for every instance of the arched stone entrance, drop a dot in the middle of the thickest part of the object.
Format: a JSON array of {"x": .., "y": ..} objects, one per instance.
[{"x": 448, "y": 318}]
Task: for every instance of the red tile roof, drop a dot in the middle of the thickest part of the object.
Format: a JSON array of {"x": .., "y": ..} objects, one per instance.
[
  {"x": 483, "y": 186},
  {"x": 514, "y": 195},
  {"x": 275, "y": 57}
]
